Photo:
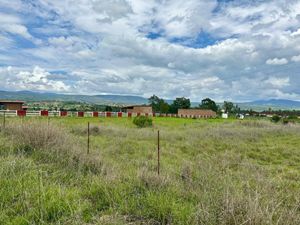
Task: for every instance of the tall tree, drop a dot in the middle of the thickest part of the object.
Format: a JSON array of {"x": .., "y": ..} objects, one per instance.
[
  {"x": 180, "y": 103},
  {"x": 207, "y": 103},
  {"x": 164, "y": 107},
  {"x": 236, "y": 109},
  {"x": 228, "y": 106},
  {"x": 154, "y": 102},
  {"x": 158, "y": 104}
]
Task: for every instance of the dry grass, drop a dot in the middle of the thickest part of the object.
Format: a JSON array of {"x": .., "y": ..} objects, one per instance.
[{"x": 52, "y": 142}]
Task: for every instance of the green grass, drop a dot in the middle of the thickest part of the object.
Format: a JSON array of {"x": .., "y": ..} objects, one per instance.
[{"x": 212, "y": 172}]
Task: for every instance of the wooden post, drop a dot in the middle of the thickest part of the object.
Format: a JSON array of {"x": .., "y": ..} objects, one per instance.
[
  {"x": 48, "y": 121},
  {"x": 158, "y": 154},
  {"x": 88, "y": 138}
]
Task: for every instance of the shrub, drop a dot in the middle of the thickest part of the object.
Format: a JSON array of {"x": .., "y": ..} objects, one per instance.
[
  {"x": 292, "y": 117},
  {"x": 286, "y": 121},
  {"x": 289, "y": 119},
  {"x": 275, "y": 118},
  {"x": 142, "y": 121}
]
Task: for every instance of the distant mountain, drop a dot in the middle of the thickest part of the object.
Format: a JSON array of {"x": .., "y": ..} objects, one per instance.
[
  {"x": 271, "y": 103},
  {"x": 94, "y": 99},
  {"x": 29, "y": 96}
]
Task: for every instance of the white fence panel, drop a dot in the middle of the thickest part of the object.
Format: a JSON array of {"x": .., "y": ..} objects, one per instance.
[{"x": 8, "y": 112}]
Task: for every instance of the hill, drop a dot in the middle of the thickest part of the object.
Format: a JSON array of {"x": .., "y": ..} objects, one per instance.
[
  {"x": 94, "y": 99},
  {"x": 271, "y": 103}
]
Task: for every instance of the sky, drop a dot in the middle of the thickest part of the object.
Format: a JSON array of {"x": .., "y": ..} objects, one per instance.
[{"x": 238, "y": 50}]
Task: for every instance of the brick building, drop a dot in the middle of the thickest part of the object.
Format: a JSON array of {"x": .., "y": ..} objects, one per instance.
[
  {"x": 197, "y": 113},
  {"x": 11, "y": 105},
  {"x": 138, "y": 109}
]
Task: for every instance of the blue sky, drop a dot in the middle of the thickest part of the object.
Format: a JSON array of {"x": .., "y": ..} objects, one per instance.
[{"x": 227, "y": 50}]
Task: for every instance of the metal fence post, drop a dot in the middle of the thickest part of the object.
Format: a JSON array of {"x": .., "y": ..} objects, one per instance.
[
  {"x": 4, "y": 120},
  {"x": 158, "y": 153},
  {"x": 88, "y": 138}
]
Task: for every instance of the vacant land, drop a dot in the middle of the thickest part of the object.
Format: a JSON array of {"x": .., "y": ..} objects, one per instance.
[{"x": 212, "y": 172}]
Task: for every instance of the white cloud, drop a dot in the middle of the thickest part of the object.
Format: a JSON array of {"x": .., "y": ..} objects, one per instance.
[
  {"x": 61, "y": 41},
  {"x": 13, "y": 24},
  {"x": 103, "y": 47},
  {"x": 37, "y": 79},
  {"x": 296, "y": 58},
  {"x": 296, "y": 33},
  {"x": 277, "y": 61},
  {"x": 278, "y": 82},
  {"x": 85, "y": 54}
]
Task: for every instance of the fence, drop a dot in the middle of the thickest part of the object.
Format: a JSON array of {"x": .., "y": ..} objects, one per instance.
[{"x": 45, "y": 113}]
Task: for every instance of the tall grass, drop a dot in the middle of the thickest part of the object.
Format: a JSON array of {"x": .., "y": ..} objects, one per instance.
[
  {"x": 50, "y": 143},
  {"x": 211, "y": 173}
]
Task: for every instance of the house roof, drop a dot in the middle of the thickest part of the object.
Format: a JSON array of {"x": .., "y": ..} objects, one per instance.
[
  {"x": 131, "y": 106},
  {"x": 11, "y": 101}
]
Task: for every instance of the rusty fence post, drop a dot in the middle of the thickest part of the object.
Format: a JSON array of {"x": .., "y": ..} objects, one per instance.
[
  {"x": 40, "y": 180},
  {"x": 88, "y": 138},
  {"x": 158, "y": 153},
  {"x": 4, "y": 120}
]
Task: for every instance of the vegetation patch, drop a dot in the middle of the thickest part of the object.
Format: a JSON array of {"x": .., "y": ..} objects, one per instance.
[{"x": 142, "y": 121}]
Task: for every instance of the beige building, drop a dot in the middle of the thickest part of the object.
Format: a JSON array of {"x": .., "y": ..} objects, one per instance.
[
  {"x": 138, "y": 109},
  {"x": 11, "y": 105},
  {"x": 197, "y": 113}
]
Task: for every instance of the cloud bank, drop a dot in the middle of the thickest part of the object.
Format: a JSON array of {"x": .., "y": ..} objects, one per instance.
[{"x": 226, "y": 50}]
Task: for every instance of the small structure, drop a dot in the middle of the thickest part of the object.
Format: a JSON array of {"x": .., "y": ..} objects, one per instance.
[
  {"x": 197, "y": 113},
  {"x": 138, "y": 109},
  {"x": 240, "y": 116},
  {"x": 224, "y": 114},
  {"x": 11, "y": 105}
]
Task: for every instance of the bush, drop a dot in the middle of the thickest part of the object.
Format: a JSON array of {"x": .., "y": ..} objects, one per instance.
[
  {"x": 292, "y": 117},
  {"x": 142, "y": 121},
  {"x": 289, "y": 119},
  {"x": 275, "y": 118},
  {"x": 286, "y": 121}
]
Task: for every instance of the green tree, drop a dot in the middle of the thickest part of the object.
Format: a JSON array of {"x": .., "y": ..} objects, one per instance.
[
  {"x": 164, "y": 107},
  {"x": 236, "y": 109},
  {"x": 207, "y": 103},
  {"x": 154, "y": 102},
  {"x": 228, "y": 106},
  {"x": 158, "y": 104},
  {"x": 108, "y": 108},
  {"x": 180, "y": 103}
]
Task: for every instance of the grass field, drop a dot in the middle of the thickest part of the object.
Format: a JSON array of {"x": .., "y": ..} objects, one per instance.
[{"x": 212, "y": 172}]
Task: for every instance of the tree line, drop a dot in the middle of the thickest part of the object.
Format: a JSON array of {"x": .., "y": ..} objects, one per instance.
[{"x": 159, "y": 105}]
